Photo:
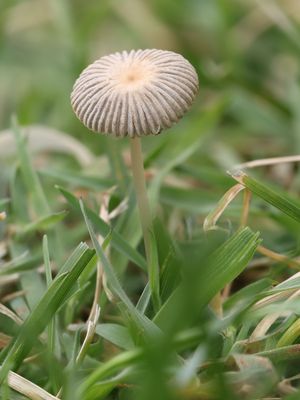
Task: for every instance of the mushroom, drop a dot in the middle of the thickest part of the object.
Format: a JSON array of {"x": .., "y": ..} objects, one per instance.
[{"x": 136, "y": 93}]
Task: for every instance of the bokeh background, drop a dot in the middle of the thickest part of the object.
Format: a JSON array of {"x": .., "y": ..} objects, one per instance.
[{"x": 246, "y": 54}]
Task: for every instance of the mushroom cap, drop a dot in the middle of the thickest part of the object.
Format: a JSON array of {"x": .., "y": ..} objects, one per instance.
[{"x": 134, "y": 93}]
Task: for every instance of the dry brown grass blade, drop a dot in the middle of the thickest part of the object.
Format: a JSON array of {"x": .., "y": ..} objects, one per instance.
[
  {"x": 210, "y": 221},
  {"x": 264, "y": 162},
  {"x": 277, "y": 257},
  {"x": 27, "y": 388},
  {"x": 10, "y": 314},
  {"x": 4, "y": 340},
  {"x": 259, "y": 334},
  {"x": 2, "y": 215},
  {"x": 246, "y": 207},
  {"x": 266, "y": 323}
]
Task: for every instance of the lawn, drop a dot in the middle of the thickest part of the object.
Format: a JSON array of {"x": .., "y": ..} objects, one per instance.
[{"x": 197, "y": 297}]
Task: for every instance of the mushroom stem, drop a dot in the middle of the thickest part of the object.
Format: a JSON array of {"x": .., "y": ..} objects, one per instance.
[{"x": 145, "y": 217}]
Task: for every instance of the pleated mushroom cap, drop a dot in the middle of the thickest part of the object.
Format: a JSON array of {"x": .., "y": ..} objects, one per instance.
[{"x": 134, "y": 93}]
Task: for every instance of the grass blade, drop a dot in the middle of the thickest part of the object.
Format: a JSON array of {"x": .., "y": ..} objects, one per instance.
[
  {"x": 220, "y": 268},
  {"x": 30, "y": 177},
  {"x": 43, "y": 223},
  {"x": 116, "y": 334},
  {"x": 143, "y": 324},
  {"x": 117, "y": 240},
  {"x": 52, "y": 300},
  {"x": 276, "y": 198},
  {"x": 27, "y": 388}
]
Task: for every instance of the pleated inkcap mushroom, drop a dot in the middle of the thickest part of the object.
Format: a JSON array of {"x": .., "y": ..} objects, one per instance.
[{"x": 135, "y": 93}]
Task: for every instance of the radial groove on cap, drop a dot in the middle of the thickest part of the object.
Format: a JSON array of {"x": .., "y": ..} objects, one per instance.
[{"x": 134, "y": 93}]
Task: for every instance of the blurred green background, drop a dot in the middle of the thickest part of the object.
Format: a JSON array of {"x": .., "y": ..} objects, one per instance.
[
  {"x": 247, "y": 55},
  {"x": 245, "y": 51}
]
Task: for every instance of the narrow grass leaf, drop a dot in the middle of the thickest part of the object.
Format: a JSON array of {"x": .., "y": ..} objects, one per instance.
[
  {"x": 122, "y": 360},
  {"x": 22, "y": 263},
  {"x": 143, "y": 324},
  {"x": 78, "y": 179},
  {"x": 30, "y": 177},
  {"x": 289, "y": 284},
  {"x": 117, "y": 240},
  {"x": 144, "y": 299},
  {"x": 220, "y": 268},
  {"x": 282, "y": 201},
  {"x": 43, "y": 223},
  {"x": 116, "y": 334},
  {"x": 51, "y": 326},
  {"x": 290, "y": 335},
  {"x": 37, "y": 321}
]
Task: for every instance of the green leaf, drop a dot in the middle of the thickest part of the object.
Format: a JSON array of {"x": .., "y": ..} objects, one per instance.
[
  {"x": 3, "y": 202},
  {"x": 74, "y": 258},
  {"x": 37, "y": 321},
  {"x": 31, "y": 179},
  {"x": 218, "y": 269},
  {"x": 116, "y": 334},
  {"x": 191, "y": 200},
  {"x": 117, "y": 363},
  {"x": 117, "y": 240},
  {"x": 78, "y": 179},
  {"x": 127, "y": 359},
  {"x": 290, "y": 335},
  {"x": 283, "y": 202},
  {"x": 22, "y": 263},
  {"x": 143, "y": 325},
  {"x": 144, "y": 299},
  {"x": 43, "y": 223},
  {"x": 290, "y": 284}
]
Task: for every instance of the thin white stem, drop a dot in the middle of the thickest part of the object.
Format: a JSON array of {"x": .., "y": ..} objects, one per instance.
[
  {"x": 145, "y": 216},
  {"x": 140, "y": 186}
]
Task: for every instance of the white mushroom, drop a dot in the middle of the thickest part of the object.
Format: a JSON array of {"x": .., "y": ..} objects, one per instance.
[{"x": 134, "y": 93}]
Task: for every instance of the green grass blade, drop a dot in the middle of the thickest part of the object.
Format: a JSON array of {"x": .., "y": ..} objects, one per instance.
[
  {"x": 144, "y": 299},
  {"x": 73, "y": 258},
  {"x": 220, "y": 268},
  {"x": 52, "y": 300},
  {"x": 282, "y": 201},
  {"x": 43, "y": 223},
  {"x": 122, "y": 360},
  {"x": 52, "y": 323},
  {"x": 30, "y": 177},
  {"x": 116, "y": 334},
  {"x": 77, "y": 179},
  {"x": 20, "y": 264},
  {"x": 117, "y": 240},
  {"x": 143, "y": 324}
]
